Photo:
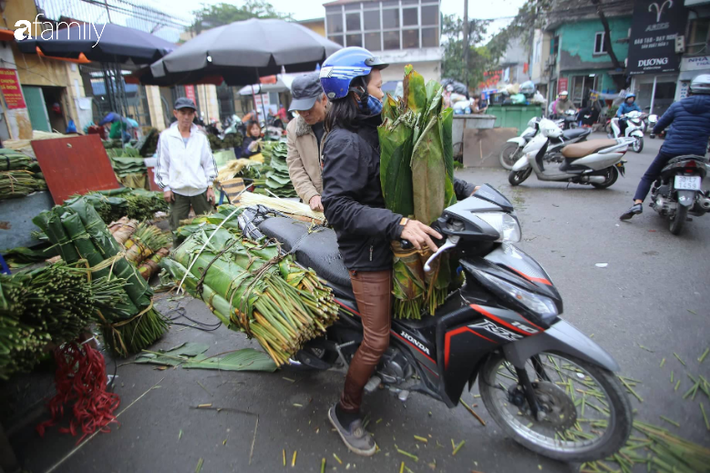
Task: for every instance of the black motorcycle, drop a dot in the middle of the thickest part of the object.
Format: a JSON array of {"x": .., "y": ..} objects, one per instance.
[
  {"x": 679, "y": 192},
  {"x": 547, "y": 385}
]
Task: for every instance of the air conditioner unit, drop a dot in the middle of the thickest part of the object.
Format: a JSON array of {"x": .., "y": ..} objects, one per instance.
[
  {"x": 551, "y": 61},
  {"x": 679, "y": 44}
]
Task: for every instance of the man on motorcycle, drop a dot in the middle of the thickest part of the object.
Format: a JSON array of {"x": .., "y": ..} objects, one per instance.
[
  {"x": 562, "y": 104},
  {"x": 355, "y": 207},
  {"x": 629, "y": 105},
  {"x": 689, "y": 122}
]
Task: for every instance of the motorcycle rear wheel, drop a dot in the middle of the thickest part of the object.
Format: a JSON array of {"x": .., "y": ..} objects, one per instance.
[
  {"x": 612, "y": 174},
  {"x": 677, "y": 222},
  {"x": 518, "y": 177},
  {"x": 548, "y": 437},
  {"x": 508, "y": 155}
]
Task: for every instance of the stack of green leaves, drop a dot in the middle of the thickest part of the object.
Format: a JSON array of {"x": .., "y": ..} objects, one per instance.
[
  {"x": 267, "y": 150},
  {"x": 253, "y": 287},
  {"x": 278, "y": 180},
  {"x": 113, "y": 204},
  {"x": 20, "y": 183},
  {"x": 417, "y": 175},
  {"x": 12, "y": 160},
  {"x": 53, "y": 303},
  {"x": 80, "y": 233}
]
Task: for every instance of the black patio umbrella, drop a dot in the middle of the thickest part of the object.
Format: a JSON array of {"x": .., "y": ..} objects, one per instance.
[
  {"x": 243, "y": 51},
  {"x": 104, "y": 43}
]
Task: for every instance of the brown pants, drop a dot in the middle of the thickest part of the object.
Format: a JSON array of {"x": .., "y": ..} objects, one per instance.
[{"x": 373, "y": 293}]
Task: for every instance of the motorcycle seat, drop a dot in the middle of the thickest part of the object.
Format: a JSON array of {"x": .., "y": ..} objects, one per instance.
[
  {"x": 317, "y": 250},
  {"x": 585, "y": 148},
  {"x": 575, "y": 133}
]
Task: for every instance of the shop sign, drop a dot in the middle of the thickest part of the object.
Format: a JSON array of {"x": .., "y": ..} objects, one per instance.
[
  {"x": 190, "y": 92},
  {"x": 696, "y": 63},
  {"x": 562, "y": 84},
  {"x": 10, "y": 86},
  {"x": 656, "y": 23}
]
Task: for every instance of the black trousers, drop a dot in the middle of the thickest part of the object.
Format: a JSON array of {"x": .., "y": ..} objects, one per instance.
[{"x": 652, "y": 173}]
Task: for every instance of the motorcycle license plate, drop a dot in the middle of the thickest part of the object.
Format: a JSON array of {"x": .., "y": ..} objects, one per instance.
[{"x": 687, "y": 183}]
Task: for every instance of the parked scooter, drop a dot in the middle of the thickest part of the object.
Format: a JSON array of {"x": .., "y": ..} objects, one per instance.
[
  {"x": 678, "y": 192},
  {"x": 635, "y": 128},
  {"x": 595, "y": 162},
  {"x": 514, "y": 150},
  {"x": 502, "y": 327}
]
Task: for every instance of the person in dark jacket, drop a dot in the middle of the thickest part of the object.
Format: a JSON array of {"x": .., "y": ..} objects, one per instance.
[
  {"x": 250, "y": 147},
  {"x": 689, "y": 122},
  {"x": 354, "y": 206}
]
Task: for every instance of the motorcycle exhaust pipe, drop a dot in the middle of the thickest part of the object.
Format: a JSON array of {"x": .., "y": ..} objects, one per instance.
[
  {"x": 704, "y": 203},
  {"x": 593, "y": 179}
]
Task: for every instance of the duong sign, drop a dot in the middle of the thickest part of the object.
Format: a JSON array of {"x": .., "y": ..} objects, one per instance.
[{"x": 656, "y": 23}]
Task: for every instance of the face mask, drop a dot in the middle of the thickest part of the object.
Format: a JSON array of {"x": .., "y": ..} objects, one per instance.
[{"x": 372, "y": 106}]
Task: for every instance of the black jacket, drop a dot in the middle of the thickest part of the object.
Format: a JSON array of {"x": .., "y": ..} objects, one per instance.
[
  {"x": 352, "y": 197},
  {"x": 245, "y": 148}
]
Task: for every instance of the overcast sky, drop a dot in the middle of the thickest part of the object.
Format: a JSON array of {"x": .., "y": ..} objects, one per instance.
[{"x": 306, "y": 9}]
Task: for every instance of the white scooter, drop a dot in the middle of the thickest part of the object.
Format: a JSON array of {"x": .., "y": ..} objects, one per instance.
[
  {"x": 514, "y": 147},
  {"x": 635, "y": 128},
  {"x": 595, "y": 162}
]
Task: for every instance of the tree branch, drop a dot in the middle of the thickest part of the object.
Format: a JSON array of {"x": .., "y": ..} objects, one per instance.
[{"x": 619, "y": 80}]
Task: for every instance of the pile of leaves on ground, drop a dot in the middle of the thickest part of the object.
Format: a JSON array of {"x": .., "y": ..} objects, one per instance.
[
  {"x": 417, "y": 175},
  {"x": 79, "y": 233},
  {"x": 230, "y": 141},
  {"x": 251, "y": 286},
  {"x": 113, "y": 204},
  {"x": 278, "y": 180},
  {"x": 20, "y": 175},
  {"x": 52, "y": 304}
]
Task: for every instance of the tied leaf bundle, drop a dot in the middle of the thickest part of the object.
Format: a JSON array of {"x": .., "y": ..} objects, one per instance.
[
  {"x": 417, "y": 178},
  {"x": 114, "y": 204},
  {"x": 20, "y": 183},
  {"x": 80, "y": 233},
  {"x": 12, "y": 160},
  {"x": 278, "y": 180},
  {"x": 146, "y": 240},
  {"x": 150, "y": 266},
  {"x": 53, "y": 303},
  {"x": 254, "y": 288}
]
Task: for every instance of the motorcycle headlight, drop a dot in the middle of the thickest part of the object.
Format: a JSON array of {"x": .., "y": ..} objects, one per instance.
[
  {"x": 505, "y": 224},
  {"x": 543, "y": 306}
]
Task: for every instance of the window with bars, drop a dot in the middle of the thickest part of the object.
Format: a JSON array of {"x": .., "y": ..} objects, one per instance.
[
  {"x": 385, "y": 25},
  {"x": 699, "y": 36},
  {"x": 599, "y": 44}
]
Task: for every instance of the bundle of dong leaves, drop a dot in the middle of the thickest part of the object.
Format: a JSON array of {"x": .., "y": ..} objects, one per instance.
[
  {"x": 20, "y": 175},
  {"x": 251, "y": 286},
  {"x": 278, "y": 180},
  {"x": 417, "y": 177},
  {"x": 50, "y": 304},
  {"x": 113, "y": 204},
  {"x": 79, "y": 233}
]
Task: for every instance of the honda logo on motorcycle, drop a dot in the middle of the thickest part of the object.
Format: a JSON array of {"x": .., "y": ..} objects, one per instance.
[{"x": 416, "y": 342}]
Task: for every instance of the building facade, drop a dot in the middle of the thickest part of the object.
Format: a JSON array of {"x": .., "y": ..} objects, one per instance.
[
  {"x": 696, "y": 58},
  {"x": 400, "y": 32}
]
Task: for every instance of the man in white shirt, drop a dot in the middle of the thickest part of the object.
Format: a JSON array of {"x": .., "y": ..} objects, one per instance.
[{"x": 186, "y": 168}]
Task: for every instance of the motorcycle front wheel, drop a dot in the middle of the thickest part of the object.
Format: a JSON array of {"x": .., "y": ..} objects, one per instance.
[
  {"x": 518, "y": 177},
  {"x": 587, "y": 415},
  {"x": 638, "y": 145},
  {"x": 508, "y": 155}
]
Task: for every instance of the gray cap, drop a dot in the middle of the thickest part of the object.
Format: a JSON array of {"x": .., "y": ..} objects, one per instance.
[
  {"x": 306, "y": 89},
  {"x": 184, "y": 102}
]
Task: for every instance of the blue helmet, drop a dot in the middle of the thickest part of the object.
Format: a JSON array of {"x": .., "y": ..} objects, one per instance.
[
  {"x": 339, "y": 70},
  {"x": 630, "y": 96}
]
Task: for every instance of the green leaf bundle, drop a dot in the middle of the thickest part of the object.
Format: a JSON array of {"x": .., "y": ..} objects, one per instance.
[{"x": 417, "y": 176}]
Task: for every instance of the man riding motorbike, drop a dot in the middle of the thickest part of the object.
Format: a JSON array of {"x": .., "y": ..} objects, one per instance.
[
  {"x": 354, "y": 206},
  {"x": 562, "y": 104},
  {"x": 689, "y": 122},
  {"x": 629, "y": 105}
]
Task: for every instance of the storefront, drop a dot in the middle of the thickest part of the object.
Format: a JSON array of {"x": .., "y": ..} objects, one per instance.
[
  {"x": 690, "y": 67},
  {"x": 655, "y": 92}
]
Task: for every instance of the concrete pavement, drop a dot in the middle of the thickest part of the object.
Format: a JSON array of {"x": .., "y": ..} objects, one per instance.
[{"x": 654, "y": 292}]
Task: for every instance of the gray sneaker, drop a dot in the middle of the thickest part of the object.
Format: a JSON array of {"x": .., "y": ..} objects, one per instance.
[
  {"x": 635, "y": 209},
  {"x": 356, "y": 438}
]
